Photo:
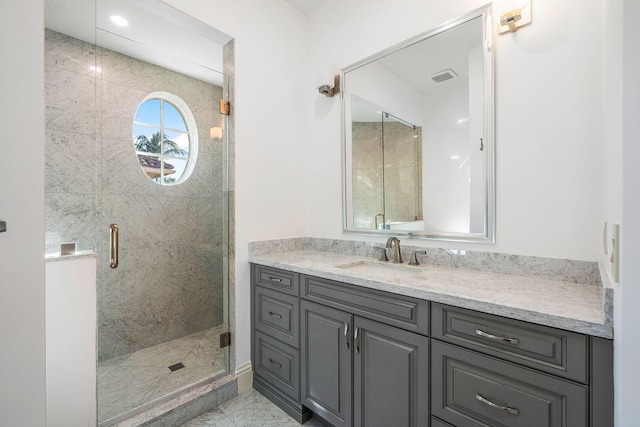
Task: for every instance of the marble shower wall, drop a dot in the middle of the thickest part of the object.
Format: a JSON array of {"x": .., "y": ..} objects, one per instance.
[
  {"x": 401, "y": 177},
  {"x": 170, "y": 279}
]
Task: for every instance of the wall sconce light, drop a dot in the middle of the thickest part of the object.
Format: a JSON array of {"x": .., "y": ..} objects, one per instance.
[
  {"x": 329, "y": 91},
  {"x": 512, "y": 20},
  {"x": 215, "y": 133}
]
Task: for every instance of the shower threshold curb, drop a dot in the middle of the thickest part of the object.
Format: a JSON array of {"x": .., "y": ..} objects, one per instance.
[{"x": 183, "y": 406}]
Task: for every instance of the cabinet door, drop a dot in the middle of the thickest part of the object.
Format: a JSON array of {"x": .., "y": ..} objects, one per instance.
[
  {"x": 326, "y": 362},
  {"x": 391, "y": 376}
]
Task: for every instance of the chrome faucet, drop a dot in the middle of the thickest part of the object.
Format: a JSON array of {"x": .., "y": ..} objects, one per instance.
[
  {"x": 397, "y": 256},
  {"x": 414, "y": 257}
]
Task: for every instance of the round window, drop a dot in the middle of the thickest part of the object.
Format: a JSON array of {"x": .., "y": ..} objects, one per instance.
[{"x": 165, "y": 138}]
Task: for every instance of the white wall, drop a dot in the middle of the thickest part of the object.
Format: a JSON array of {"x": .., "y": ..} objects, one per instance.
[
  {"x": 22, "y": 343},
  {"x": 548, "y": 118},
  {"x": 621, "y": 83},
  {"x": 71, "y": 342},
  {"x": 271, "y": 87}
]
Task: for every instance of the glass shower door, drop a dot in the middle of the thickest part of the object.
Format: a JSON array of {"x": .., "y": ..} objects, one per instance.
[{"x": 162, "y": 310}]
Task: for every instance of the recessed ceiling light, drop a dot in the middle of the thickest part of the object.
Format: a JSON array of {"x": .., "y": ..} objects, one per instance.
[{"x": 118, "y": 20}]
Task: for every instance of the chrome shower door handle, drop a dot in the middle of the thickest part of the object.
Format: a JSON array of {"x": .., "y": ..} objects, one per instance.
[{"x": 113, "y": 246}]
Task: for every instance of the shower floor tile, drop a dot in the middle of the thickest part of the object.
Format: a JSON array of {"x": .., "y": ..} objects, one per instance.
[{"x": 134, "y": 381}]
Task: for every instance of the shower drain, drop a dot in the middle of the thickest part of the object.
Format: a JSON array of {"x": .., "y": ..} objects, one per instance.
[{"x": 176, "y": 366}]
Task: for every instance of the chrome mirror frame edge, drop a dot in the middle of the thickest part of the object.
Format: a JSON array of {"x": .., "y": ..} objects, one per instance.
[{"x": 488, "y": 237}]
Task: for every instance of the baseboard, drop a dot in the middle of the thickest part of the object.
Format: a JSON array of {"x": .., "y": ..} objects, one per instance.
[{"x": 244, "y": 375}]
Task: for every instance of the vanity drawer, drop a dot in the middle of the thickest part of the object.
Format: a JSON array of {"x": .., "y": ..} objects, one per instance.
[
  {"x": 471, "y": 389},
  {"x": 278, "y": 364},
  {"x": 278, "y": 315},
  {"x": 404, "y": 312},
  {"x": 281, "y": 280},
  {"x": 551, "y": 350}
]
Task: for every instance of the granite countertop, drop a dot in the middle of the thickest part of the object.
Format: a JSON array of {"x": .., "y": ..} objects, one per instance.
[{"x": 577, "y": 307}]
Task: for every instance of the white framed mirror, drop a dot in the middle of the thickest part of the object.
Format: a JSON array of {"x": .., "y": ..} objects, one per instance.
[{"x": 418, "y": 136}]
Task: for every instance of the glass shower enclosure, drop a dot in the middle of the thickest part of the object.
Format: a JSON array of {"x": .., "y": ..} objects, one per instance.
[{"x": 161, "y": 310}]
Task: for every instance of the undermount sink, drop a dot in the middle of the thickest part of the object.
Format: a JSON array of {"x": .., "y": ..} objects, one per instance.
[{"x": 370, "y": 268}]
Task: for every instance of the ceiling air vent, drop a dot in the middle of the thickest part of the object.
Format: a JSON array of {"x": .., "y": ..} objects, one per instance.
[{"x": 443, "y": 75}]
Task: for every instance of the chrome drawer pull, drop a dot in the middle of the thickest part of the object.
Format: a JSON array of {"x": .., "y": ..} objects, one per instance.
[
  {"x": 496, "y": 338},
  {"x": 277, "y": 365},
  {"x": 355, "y": 338},
  {"x": 346, "y": 337},
  {"x": 276, "y": 315},
  {"x": 275, "y": 279},
  {"x": 508, "y": 409}
]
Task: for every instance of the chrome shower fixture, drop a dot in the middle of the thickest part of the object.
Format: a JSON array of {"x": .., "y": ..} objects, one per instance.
[{"x": 329, "y": 91}]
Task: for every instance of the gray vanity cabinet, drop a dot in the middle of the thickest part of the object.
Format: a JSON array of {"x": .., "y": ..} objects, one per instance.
[
  {"x": 473, "y": 390},
  {"x": 391, "y": 376},
  {"x": 275, "y": 334},
  {"x": 326, "y": 362},
  {"x": 493, "y": 371},
  {"x": 385, "y": 368},
  {"x": 364, "y": 357}
]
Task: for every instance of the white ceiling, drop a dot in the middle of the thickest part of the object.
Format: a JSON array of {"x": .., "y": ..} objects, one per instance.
[
  {"x": 157, "y": 33},
  {"x": 305, "y": 6}
]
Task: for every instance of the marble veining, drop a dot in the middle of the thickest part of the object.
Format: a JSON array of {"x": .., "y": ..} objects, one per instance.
[
  {"x": 607, "y": 293},
  {"x": 94, "y": 179},
  {"x": 577, "y": 307},
  {"x": 550, "y": 268},
  {"x": 141, "y": 381}
]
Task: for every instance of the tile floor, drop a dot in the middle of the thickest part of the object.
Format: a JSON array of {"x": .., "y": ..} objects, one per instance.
[
  {"x": 135, "y": 380},
  {"x": 249, "y": 409}
]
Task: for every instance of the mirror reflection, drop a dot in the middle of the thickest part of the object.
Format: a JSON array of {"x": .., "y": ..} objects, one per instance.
[
  {"x": 418, "y": 136},
  {"x": 387, "y": 168}
]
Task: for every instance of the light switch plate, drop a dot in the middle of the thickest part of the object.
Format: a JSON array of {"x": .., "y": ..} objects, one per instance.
[{"x": 605, "y": 243}]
